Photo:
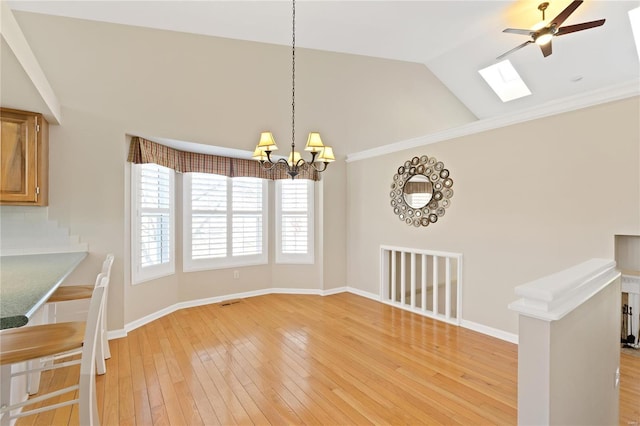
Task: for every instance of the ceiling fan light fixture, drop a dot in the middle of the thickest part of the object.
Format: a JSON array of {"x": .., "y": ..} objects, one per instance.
[
  {"x": 542, "y": 34},
  {"x": 538, "y": 26},
  {"x": 544, "y": 38}
]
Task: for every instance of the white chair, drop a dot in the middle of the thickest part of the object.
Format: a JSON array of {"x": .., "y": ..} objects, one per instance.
[
  {"x": 19, "y": 345},
  {"x": 80, "y": 292}
]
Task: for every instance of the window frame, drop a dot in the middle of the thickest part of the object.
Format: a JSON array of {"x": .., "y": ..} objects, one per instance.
[
  {"x": 229, "y": 260},
  {"x": 141, "y": 274},
  {"x": 307, "y": 258}
]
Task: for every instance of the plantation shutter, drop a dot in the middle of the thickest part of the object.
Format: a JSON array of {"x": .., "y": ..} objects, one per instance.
[
  {"x": 209, "y": 216},
  {"x": 247, "y": 216},
  {"x": 294, "y": 210},
  {"x": 154, "y": 202}
]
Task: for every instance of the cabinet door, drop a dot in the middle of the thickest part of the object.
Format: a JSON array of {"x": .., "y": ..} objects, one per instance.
[{"x": 18, "y": 156}]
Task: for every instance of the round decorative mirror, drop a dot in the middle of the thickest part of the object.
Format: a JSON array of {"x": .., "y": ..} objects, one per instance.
[{"x": 421, "y": 191}]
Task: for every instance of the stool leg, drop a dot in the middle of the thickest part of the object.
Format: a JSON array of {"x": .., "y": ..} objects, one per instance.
[{"x": 33, "y": 378}]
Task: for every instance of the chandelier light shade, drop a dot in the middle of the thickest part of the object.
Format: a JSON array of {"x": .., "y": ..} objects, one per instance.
[
  {"x": 314, "y": 142},
  {"x": 321, "y": 155},
  {"x": 267, "y": 143}
]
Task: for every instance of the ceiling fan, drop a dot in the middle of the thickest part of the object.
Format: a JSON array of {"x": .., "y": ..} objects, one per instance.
[{"x": 542, "y": 36}]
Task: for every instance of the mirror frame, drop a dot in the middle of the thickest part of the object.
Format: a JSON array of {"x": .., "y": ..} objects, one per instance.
[{"x": 442, "y": 183}]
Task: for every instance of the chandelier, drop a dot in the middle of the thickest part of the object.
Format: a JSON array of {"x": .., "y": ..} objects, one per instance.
[{"x": 321, "y": 155}]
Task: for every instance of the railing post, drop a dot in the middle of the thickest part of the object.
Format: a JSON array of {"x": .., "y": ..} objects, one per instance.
[
  {"x": 393, "y": 276},
  {"x": 459, "y": 290},
  {"x": 413, "y": 280},
  {"x": 447, "y": 287},
  {"x": 423, "y": 304},
  {"x": 435, "y": 284},
  {"x": 403, "y": 277}
]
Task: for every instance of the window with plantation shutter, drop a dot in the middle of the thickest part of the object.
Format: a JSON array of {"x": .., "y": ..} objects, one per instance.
[
  {"x": 294, "y": 221},
  {"x": 208, "y": 228},
  {"x": 224, "y": 221},
  {"x": 153, "y": 222}
]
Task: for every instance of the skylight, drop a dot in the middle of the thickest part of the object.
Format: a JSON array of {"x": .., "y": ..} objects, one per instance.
[
  {"x": 505, "y": 81},
  {"x": 634, "y": 17}
]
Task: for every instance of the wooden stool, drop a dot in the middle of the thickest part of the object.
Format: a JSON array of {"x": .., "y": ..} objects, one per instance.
[
  {"x": 18, "y": 345},
  {"x": 80, "y": 292}
]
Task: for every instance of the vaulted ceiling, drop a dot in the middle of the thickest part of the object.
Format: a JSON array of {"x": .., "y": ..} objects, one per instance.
[{"x": 454, "y": 39}]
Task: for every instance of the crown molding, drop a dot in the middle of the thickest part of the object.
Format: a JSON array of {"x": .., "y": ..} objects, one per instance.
[{"x": 584, "y": 100}]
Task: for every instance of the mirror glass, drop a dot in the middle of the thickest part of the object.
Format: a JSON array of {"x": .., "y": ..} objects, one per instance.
[{"x": 418, "y": 191}]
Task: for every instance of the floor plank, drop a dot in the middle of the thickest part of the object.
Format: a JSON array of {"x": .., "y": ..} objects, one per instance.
[{"x": 294, "y": 359}]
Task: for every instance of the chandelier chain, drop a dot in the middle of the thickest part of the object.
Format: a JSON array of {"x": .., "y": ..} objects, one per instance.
[
  {"x": 293, "y": 78},
  {"x": 295, "y": 164}
]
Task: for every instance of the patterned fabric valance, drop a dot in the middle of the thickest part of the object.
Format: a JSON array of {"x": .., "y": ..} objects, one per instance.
[{"x": 144, "y": 151}]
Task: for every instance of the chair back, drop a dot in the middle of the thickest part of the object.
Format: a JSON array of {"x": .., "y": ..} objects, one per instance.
[
  {"x": 98, "y": 279},
  {"x": 103, "y": 345},
  {"x": 88, "y": 406},
  {"x": 107, "y": 264}
]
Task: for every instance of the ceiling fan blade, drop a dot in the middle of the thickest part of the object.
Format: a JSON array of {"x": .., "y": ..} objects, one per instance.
[
  {"x": 579, "y": 27},
  {"x": 515, "y": 48},
  {"x": 558, "y": 20},
  {"x": 546, "y": 49},
  {"x": 518, "y": 31}
]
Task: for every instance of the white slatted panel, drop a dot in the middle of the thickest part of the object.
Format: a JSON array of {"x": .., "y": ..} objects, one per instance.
[
  {"x": 427, "y": 271},
  {"x": 295, "y": 221},
  {"x": 154, "y": 205},
  {"x": 209, "y": 216}
]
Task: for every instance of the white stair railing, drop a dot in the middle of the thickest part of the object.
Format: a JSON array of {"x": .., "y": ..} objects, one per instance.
[{"x": 429, "y": 291}]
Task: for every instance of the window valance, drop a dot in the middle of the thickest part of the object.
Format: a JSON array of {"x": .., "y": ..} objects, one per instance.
[{"x": 145, "y": 151}]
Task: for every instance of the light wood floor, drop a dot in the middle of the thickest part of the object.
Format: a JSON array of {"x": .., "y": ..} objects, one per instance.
[{"x": 288, "y": 359}]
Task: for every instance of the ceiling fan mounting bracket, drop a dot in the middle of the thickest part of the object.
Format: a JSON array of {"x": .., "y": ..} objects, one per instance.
[{"x": 542, "y": 7}]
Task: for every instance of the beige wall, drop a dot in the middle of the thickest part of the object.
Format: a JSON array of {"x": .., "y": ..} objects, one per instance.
[
  {"x": 529, "y": 200},
  {"x": 114, "y": 80}
]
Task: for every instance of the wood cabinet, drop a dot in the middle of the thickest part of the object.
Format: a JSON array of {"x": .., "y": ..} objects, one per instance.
[{"x": 24, "y": 158}]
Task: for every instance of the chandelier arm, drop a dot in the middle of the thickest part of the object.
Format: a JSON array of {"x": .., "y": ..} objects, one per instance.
[
  {"x": 267, "y": 165},
  {"x": 300, "y": 163},
  {"x": 270, "y": 164},
  {"x": 318, "y": 169}
]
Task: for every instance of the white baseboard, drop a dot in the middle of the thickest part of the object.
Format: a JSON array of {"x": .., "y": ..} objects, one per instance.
[
  {"x": 363, "y": 293},
  {"x": 490, "y": 331},
  {"x": 336, "y": 290},
  {"x": 117, "y": 334}
]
